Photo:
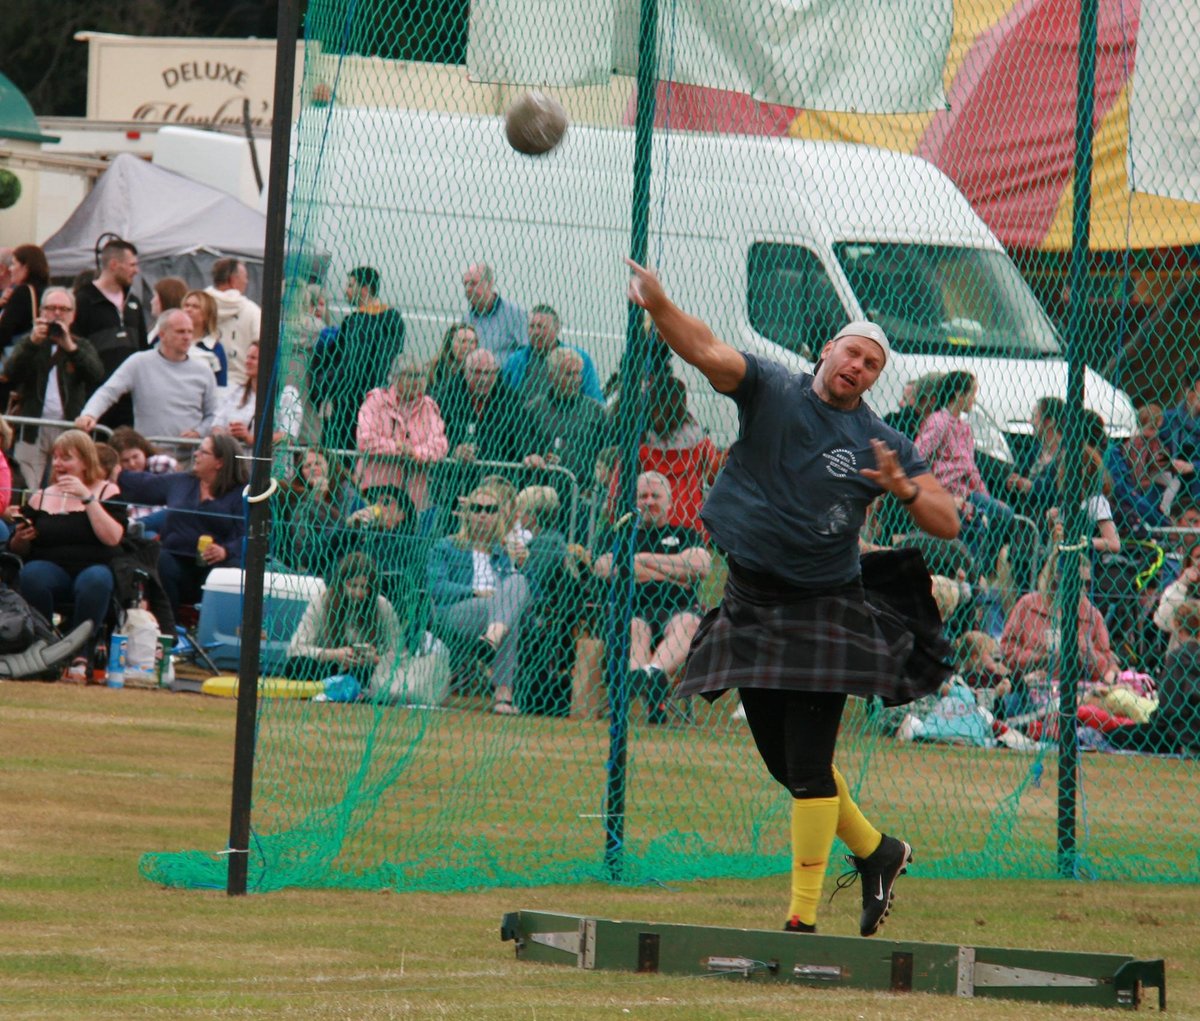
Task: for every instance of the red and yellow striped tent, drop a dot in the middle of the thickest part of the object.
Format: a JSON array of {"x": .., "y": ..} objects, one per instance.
[{"x": 1007, "y": 140}]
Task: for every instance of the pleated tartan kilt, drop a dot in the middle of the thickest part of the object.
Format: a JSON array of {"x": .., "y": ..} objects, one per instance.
[{"x": 878, "y": 637}]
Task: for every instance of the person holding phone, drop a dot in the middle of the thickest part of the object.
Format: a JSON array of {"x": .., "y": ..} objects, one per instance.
[
  {"x": 68, "y": 534},
  {"x": 53, "y": 373}
]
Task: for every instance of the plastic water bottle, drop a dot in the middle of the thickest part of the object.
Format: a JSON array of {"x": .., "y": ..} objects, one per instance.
[
  {"x": 340, "y": 688},
  {"x": 116, "y": 662}
]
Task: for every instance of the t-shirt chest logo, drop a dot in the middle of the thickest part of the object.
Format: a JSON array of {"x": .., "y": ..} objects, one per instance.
[
  {"x": 839, "y": 462},
  {"x": 669, "y": 541}
]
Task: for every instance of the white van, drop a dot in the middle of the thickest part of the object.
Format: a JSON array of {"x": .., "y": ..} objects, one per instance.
[{"x": 774, "y": 242}]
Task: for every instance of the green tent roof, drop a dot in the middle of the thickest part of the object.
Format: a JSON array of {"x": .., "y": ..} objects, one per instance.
[{"x": 16, "y": 115}]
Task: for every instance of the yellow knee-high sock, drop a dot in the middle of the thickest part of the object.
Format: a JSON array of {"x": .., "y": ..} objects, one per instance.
[
  {"x": 853, "y": 830},
  {"x": 814, "y": 821}
]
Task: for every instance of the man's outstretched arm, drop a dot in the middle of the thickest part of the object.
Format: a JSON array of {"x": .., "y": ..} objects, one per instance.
[{"x": 687, "y": 336}]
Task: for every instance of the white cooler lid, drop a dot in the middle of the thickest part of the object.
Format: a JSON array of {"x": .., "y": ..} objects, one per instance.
[{"x": 228, "y": 580}]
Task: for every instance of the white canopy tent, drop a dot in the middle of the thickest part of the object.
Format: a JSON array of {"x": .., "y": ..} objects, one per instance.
[{"x": 180, "y": 227}]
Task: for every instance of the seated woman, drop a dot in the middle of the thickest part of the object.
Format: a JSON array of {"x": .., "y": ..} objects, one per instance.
[
  {"x": 235, "y": 414},
  {"x": 69, "y": 534},
  {"x": 1032, "y": 644},
  {"x": 478, "y": 596},
  {"x": 558, "y": 618},
  {"x": 917, "y": 402},
  {"x": 1031, "y": 486},
  {"x": 351, "y": 628},
  {"x": 1145, "y": 478},
  {"x": 319, "y": 504},
  {"x": 205, "y": 503},
  {"x": 948, "y": 445},
  {"x": 1183, "y": 588}
]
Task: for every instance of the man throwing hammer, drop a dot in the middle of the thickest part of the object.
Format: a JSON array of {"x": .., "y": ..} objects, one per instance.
[{"x": 805, "y": 621}]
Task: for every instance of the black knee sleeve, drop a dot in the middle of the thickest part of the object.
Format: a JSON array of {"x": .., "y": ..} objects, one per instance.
[{"x": 817, "y": 784}]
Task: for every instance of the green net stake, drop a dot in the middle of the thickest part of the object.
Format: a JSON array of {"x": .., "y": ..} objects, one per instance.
[
  {"x": 628, "y": 418},
  {"x": 257, "y": 537},
  {"x": 1072, "y": 513}
]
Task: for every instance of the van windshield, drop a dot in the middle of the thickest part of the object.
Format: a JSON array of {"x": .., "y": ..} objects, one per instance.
[{"x": 934, "y": 299}]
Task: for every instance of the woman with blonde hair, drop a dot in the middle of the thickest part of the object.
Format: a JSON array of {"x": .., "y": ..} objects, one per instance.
[
  {"x": 69, "y": 534},
  {"x": 202, "y": 307},
  {"x": 535, "y": 510},
  {"x": 478, "y": 595}
]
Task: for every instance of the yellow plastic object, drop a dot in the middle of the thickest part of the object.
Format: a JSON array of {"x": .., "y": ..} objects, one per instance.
[{"x": 226, "y": 686}]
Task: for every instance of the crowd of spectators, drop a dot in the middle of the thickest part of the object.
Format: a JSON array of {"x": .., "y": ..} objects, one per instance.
[
  {"x": 1137, "y": 522},
  {"x": 449, "y": 503}
]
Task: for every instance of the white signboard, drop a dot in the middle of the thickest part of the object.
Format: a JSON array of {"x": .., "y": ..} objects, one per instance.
[{"x": 192, "y": 82}]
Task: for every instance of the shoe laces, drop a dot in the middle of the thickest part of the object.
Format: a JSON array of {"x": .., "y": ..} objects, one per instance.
[{"x": 846, "y": 879}]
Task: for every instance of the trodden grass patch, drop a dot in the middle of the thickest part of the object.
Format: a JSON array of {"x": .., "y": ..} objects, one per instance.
[{"x": 93, "y": 778}]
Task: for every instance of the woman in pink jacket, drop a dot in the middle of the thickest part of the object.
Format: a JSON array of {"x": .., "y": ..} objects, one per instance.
[
  {"x": 1032, "y": 643},
  {"x": 946, "y": 442},
  {"x": 400, "y": 431}
]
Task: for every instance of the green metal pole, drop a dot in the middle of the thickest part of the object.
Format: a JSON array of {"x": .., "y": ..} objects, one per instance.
[
  {"x": 629, "y": 414},
  {"x": 260, "y": 477},
  {"x": 1078, "y": 355}
]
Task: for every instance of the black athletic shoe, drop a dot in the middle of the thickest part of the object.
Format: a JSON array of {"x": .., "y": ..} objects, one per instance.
[
  {"x": 879, "y": 873},
  {"x": 794, "y": 924}
]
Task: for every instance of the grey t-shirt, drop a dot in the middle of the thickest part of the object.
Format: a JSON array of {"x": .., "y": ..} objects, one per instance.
[{"x": 791, "y": 500}]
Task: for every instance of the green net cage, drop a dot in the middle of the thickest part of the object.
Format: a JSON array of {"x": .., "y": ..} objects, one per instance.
[{"x": 487, "y": 555}]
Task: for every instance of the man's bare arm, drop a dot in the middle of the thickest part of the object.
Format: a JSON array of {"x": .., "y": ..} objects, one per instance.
[{"x": 687, "y": 336}]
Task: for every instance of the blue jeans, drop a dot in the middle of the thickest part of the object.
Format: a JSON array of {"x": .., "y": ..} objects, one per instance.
[
  {"x": 987, "y": 530},
  {"x": 43, "y": 584},
  {"x": 182, "y": 578}
]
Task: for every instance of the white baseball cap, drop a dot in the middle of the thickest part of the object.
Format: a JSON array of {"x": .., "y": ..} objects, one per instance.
[{"x": 871, "y": 331}]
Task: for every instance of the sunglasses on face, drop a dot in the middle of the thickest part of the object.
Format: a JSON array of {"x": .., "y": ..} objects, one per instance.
[{"x": 482, "y": 508}]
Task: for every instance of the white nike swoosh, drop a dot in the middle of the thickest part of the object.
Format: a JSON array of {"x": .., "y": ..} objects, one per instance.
[{"x": 879, "y": 895}]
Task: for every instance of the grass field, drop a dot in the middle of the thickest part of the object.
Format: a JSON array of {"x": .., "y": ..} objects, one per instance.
[{"x": 93, "y": 778}]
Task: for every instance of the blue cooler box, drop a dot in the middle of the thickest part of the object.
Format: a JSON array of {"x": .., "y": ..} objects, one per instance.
[{"x": 285, "y": 598}]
